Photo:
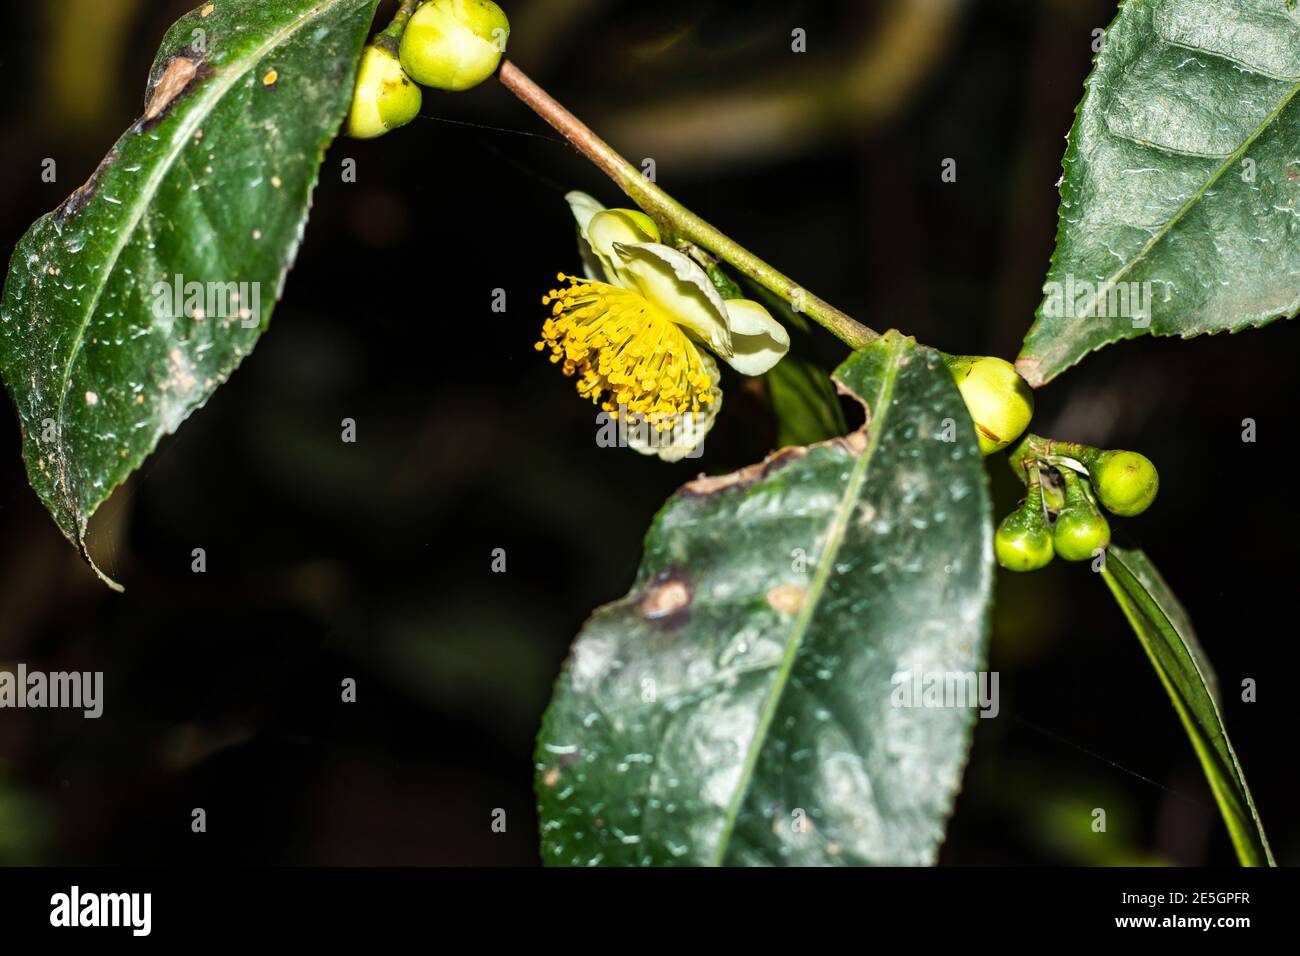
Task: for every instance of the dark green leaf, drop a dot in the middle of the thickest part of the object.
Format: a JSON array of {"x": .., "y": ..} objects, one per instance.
[
  {"x": 212, "y": 184},
  {"x": 1166, "y": 634},
  {"x": 738, "y": 705},
  {"x": 1181, "y": 181},
  {"x": 805, "y": 403}
]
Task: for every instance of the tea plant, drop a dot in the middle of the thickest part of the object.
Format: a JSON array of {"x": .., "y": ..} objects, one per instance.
[{"x": 749, "y": 700}]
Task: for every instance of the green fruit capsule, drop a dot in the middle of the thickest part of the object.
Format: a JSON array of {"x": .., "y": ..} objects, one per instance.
[
  {"x": 1125, "y": 481},
  {"x": 1000, "y": 402},
  {"x": 384, "y": 98},
  {"x": 1024, "y": 541},
  {"x": 1080, "y": 528},
  {"x": 455, "y": 44}
]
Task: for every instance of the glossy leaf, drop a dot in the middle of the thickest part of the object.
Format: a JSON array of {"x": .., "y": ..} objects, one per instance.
[
  {"x": 211, "y": 185},
  {"x": 1166, "y": 633},
  {"x": 740, "y": 705},
  {"x": 1182, "y": 182}
]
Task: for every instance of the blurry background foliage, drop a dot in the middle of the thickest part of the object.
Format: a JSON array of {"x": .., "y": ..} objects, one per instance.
[{"x": 373, "y": 560}]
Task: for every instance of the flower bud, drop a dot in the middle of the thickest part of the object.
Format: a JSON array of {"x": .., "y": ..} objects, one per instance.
[
  {"x": 1125, "y": 481},
  {"x": 384, "y": 98},
  {"x": 1000, "y": 402},
  {"x": 454, "y": 44}
]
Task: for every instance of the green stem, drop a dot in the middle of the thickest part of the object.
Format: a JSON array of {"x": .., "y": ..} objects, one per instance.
[
  {"x": 390, "y": 38},
  {"x": 1036, "y": 448},
  {"x": 1034, "y": 483},
  {"x": 1047, "y": 497},
  {"x": 676, "y": 217}
]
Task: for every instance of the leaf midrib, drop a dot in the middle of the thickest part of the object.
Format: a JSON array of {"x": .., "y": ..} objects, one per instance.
[
  {"x": 799, "y": 630},
  {"x": 1196, "y": 197},
  {"x": 207, "y": 100}
]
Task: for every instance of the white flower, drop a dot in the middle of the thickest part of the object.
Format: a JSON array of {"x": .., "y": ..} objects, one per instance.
[{"x": 641, "y": 329}]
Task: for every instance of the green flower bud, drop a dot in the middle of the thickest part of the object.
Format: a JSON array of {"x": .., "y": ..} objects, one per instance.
[
  {"x": 1080, "y": 528},
  {"x": 1125, "y": 481},
  {"x": 384, "y": 98},
  {"x": 1000, "y": 402},
  {"x": 1024, "y": 541},
  {"x": 455, "y": 44}
]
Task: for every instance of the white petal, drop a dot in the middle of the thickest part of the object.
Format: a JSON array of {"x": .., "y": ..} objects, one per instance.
[
  {"x": 613, "y": 227},
  {"x": 673, "y": 282},
  {"x": 583, "y": 208},
  {"x": 687, "y": 439},
  {"x": 592, "y": 267},
  {"x": 758, "y": 341}
]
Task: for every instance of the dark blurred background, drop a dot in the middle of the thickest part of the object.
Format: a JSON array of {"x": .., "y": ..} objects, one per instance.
[{"x": 373, "y": 560}]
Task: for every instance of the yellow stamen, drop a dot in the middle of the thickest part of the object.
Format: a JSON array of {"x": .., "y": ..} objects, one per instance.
[{"x": 624, "y": 352}]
